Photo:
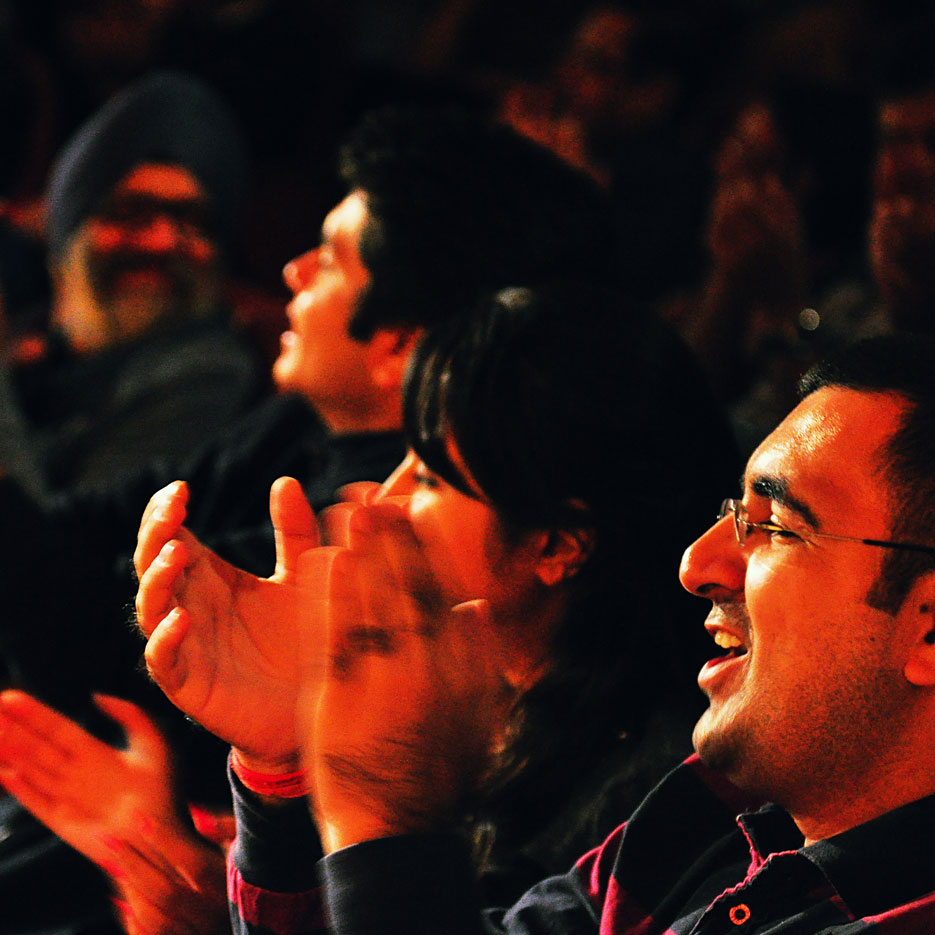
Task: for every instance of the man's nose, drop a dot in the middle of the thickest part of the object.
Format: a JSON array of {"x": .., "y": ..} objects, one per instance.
[
  {"x": 160, "y": 234},
  {"x": 297, "y": 273},
  {"x": 715, "y": 563}
]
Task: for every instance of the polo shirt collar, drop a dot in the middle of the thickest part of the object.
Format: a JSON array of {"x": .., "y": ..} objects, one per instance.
[{"x": 885, "y": 862}]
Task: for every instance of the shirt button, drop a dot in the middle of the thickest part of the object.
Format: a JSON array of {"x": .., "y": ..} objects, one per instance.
[{"x": 739, "y": 914}]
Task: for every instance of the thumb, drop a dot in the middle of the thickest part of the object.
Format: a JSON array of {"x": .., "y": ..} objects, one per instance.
[
  {"x": 143, "y": 736},
  {"x": 293, "y": 524}
]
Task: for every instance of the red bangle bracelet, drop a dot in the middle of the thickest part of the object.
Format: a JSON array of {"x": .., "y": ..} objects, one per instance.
[{"x": 281, "y": 785}]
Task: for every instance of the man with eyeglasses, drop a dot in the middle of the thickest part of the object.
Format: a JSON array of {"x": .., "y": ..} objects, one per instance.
[{"x": 822, "y": 704}]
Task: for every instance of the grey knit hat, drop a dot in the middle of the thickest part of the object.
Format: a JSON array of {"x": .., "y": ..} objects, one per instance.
[{"x": 167, "y": 117}]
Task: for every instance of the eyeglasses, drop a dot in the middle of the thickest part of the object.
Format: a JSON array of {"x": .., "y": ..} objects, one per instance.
[
  {"x": 137, "y": 212},
  {"x": 743, "y": 524}
]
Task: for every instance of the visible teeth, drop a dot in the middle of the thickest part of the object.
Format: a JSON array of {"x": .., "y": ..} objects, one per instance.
[{"x": 726, "y": 640}]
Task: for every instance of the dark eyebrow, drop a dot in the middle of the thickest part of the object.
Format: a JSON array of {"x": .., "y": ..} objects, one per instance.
[{"x": 777, "y": 490}]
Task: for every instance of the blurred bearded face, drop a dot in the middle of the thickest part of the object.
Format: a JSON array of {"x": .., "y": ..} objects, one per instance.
[{"x": 146, "y": 255}]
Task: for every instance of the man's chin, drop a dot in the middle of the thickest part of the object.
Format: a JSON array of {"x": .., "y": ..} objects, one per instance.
[{"x": 713, "y": 746}]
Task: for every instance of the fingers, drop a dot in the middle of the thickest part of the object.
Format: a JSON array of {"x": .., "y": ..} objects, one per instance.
[
  {"x": 334, "y": 521},
  {"x": 161, "y": 521},
  {"x": 293, "y": 524},
  {"x": 379, "y": 590},
  {"x": 383, "y": 538},
  {"x": 343, "y": 613},
  {"x": 170, "y": 890},
  {"x": 155, "y": 596},
  {"x": 162, "y": 654},
  {"x": 313, "y": 570},
  {"x": 47, "y": 761},
  {"x": 145, "y": 738},
  {"x": 360, "y": 492},
  {"x": 35, "y": 737}
]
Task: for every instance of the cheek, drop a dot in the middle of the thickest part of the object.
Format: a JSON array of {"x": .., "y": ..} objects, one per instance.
[
  {"x": 776, "y": 596},
  {"x": 103, "y": 238},
  {"x": 200, "y": 251},
  {"x": 453, "y": 539}
]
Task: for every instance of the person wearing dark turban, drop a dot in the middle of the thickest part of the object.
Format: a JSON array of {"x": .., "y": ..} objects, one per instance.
[{"x": 142, "y": 362}]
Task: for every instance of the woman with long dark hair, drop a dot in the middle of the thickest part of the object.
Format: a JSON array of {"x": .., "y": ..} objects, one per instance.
[{"x": 563, "y": 449}]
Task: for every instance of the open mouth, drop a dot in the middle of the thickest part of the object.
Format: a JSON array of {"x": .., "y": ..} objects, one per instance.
[{"x": 727, "y": 641}]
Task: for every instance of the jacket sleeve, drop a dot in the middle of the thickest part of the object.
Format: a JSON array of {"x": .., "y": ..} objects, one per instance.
[
  {"x": 414, "y": 884},
  {"x": 424, "y": 883},
  {"x": 272, "y": 878}
]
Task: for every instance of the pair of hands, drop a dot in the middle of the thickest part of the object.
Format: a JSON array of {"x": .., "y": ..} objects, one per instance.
[
  {"x": 116, "y": 807},
  {"x": 345, "y": 661}
]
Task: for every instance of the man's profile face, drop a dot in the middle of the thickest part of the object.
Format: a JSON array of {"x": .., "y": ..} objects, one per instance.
[
  {"x": 146, "y": 252},
  {"x": 902, "y": 224},
  {"x": 318, "y": 358},
  {"x": 809, "y": 681}
]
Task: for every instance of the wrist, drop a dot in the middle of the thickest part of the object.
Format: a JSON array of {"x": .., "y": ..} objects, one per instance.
[
  {"x": 336, "y": 835},
  {"x": 273, "y": 778},
  {"x": 261, "y": 763},
  {"x": 361, "y": 819}
]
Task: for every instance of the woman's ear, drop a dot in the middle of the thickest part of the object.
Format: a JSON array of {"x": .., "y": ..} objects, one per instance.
[
  {"x": 562, "y": 553},
  {"x": 918, "y": 613}
]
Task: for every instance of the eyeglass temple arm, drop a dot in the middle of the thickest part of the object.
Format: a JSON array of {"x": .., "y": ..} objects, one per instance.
[{"x": 907, "y": 546}]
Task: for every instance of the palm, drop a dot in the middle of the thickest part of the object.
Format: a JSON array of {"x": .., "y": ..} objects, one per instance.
[
  {"x": 85, "y": 790},
  {"x": 228, "y": 654},
  {"x": 240, "y": 655},
  {"x": 399, "y": 724}
]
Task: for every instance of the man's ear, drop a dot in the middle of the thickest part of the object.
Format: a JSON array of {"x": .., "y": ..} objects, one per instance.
[
  {"x": 388, "y": 353},
  {"x": 562, "y": 553},
  {"x": 918, "y": 614}
]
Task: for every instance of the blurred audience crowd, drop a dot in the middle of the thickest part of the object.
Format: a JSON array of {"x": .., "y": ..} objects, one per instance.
[
  {"x": 769, "y": 175},
  {"x": 768, "y": 162}
]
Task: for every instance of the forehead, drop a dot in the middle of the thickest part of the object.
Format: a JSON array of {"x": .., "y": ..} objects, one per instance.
[
  {"x": 908, "y": 115},
  {"x": 828, "y": 452},
  {"x": 156, "y": 180},
  {"x": 346, "y": 220}
]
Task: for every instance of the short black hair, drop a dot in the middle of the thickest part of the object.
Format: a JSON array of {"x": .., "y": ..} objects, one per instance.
[
  {"x": 902, "y": 365},
  {"x": 460, "y": 206}
]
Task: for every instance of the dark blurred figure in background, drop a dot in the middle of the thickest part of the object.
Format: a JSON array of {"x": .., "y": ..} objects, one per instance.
[
  {"x": 893, "y": 289},
  {"x": 786, "y": 216},
  {"x": 902, "y": 225},
  {"x": 618, "y": 102},
  {"x": 142, "y": 361}
]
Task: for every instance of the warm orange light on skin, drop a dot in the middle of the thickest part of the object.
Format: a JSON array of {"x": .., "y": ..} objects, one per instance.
[
  {"x": 473, "y": 557},
  {"x": 340, "y": 376},
  {"x": 814, "y": 710},
  {"x": 141, "y": 296}
]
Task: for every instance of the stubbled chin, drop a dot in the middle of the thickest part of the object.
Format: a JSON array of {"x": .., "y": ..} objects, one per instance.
[{"x": 710, "y": 744}]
